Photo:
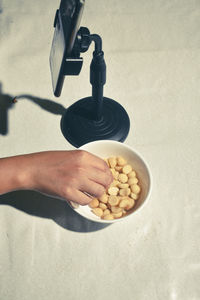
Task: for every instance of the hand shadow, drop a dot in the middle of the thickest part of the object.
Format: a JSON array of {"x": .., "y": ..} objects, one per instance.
[
  {"x": 7, "y": 102},
  {"x": 36, "y": 204}
]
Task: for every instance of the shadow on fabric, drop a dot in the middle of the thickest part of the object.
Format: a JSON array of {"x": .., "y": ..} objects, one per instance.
[
  {"x": 8, "y": 102},
  {"x": 36, "y": 204}
]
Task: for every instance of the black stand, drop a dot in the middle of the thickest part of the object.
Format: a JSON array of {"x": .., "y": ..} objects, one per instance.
[{"x": 97, "y": 117}]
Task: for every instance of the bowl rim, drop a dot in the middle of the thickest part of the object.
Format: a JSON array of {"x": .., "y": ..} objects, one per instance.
[{"x": 148, "y": 172}]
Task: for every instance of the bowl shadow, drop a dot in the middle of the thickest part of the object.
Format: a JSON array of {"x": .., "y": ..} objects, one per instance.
[{"x": 36, "y": 204}]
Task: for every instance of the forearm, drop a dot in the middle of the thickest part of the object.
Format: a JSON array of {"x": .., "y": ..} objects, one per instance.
[
  {"x": 70, "y": 175},
  {"x": 14, "y": 174}
]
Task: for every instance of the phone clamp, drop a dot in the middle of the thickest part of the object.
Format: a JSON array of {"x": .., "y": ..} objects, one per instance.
[{"x": 95, "y": 117}]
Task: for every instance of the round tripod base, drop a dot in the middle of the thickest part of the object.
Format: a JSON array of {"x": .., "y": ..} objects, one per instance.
[{"x": 79, "y": 127}]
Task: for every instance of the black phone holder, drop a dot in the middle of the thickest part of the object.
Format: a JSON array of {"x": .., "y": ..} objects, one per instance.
[{"x": 95, "y": 117}]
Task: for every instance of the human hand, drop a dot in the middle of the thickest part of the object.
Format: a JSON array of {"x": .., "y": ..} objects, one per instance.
[{"x": 70, "y": 175}]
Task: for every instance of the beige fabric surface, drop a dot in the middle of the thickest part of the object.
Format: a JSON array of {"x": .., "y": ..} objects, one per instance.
[{"x": 152, "y": 53}]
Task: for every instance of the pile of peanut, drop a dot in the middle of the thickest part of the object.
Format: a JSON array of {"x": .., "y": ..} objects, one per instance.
[{"x": 121, "y": 195}]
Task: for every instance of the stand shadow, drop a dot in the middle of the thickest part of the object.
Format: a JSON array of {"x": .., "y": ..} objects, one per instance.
[
  {"x": 7, "y": 102},
  {"x": 36, "y": 204}
]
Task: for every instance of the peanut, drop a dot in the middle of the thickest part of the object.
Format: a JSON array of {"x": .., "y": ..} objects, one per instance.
[
  {"x": 135, "y": 188},
  {"x": 94, "y": 203},
  {"x": 121, "y": 161},
  {"x": 113, "y": 191},
  {"x": 131, "y": 204},
  {"x": 127, "y": 203},
  {"x": 127, "y": 169},
  {"x": 114, "y": 173},
  {"x": 106, "y": 212},
  {"x": 113, "y": 200},
  {"x": 123, "y": 178},
  {"x": 124, "y": 203},
  {"x": 116, "y": 209},
  {"x": 108, "y": 217},
  {"x": 115, "y": 183},
  {"x": 103, "y": 206},
  {"x": 117, "y": 215},
  {"x": 125, "y": 192},
  {"x": 131, "y": 174},
  {"x": 112, "y": 162},
  {"x": 134, "y": 196},
  {"x": 97, "y": 211},
  {"x": 104, "y": 198},
  {"x": 123, "y": 185},
  {"x": 118, "y": 168},
  {"x": 132, "y": 180}
]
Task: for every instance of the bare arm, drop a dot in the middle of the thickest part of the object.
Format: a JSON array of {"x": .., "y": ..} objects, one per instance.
[{"x": 63, "y": 174}]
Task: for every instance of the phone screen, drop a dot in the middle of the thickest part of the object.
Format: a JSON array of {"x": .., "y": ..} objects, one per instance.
[{"x": 66, "y": 24}]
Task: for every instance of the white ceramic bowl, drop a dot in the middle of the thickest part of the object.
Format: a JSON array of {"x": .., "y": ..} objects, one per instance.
[{"x": 107, "y": 148}]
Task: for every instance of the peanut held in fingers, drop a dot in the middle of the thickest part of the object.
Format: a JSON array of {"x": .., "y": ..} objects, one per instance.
[
  {"x": 115, "y": 174},
  {"x": 104, "y": 198},
  {"x": 112, "y": 162},
  {"x": 94, "y": 203}
]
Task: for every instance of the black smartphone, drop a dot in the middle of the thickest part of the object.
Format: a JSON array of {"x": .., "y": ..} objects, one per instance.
[{"x": 66, "y": 23}]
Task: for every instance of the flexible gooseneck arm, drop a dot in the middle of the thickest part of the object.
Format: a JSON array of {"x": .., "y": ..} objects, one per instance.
[
  {"x": 97, "y": 67},
  {"x": 98, "y": 42}
]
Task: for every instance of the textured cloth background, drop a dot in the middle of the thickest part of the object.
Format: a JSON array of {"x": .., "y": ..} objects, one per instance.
[{"x": 152, "y": 54}]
